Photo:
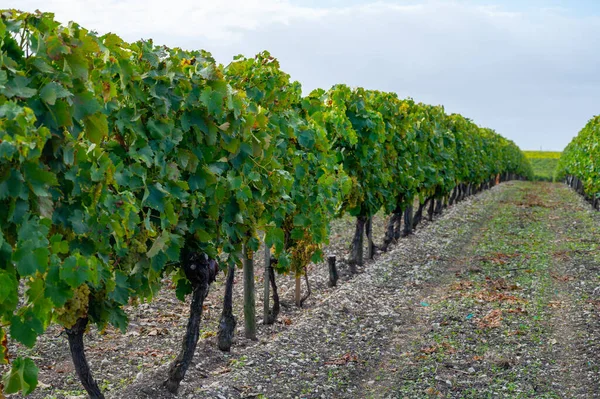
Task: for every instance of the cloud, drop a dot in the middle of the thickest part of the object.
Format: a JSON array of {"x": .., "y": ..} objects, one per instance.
[
  {"x": 530, "y": 74},
  {"x": 132, "y": 19}
]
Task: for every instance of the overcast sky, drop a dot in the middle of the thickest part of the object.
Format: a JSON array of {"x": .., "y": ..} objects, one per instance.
[{"x": 528, "y": 69}]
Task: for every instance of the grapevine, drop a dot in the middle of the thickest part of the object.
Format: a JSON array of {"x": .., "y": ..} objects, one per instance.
[{"x": 125, "y": 163}]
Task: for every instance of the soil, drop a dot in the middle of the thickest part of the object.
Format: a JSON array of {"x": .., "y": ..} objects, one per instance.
[{"x": 498, "y": 297}]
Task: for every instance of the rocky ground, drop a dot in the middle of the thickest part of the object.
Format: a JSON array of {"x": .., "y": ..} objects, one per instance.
[{"x": 499, "y": 297}]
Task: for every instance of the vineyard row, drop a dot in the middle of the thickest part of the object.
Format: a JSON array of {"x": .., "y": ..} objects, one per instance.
[{"x": 123, "y": 163}]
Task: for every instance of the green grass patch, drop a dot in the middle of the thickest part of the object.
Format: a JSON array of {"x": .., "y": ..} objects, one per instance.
[{"x": 543, "y": 163}]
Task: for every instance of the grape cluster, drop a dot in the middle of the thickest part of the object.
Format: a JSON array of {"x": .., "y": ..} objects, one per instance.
[{"x": 75, "y": 308}]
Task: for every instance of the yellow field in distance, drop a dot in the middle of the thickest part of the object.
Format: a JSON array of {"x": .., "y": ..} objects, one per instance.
[{"x": 542, "y": 154}]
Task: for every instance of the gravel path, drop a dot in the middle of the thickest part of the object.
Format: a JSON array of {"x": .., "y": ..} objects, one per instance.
[{"x": 336, "y": 348}]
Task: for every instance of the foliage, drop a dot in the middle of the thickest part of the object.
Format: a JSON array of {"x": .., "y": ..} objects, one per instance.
[
  {"x": 580, "y": 158},
  {"x": 116, "y": 158},
  {"x": 358, "y": 139},
  {"x": 299, "y": 212},
  {"x": 102, "y": 141}
]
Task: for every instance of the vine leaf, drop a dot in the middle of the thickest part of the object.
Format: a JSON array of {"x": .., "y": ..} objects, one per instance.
[
  {"x": 22, "y": 376},
  {"x": 96, "y": 127}
]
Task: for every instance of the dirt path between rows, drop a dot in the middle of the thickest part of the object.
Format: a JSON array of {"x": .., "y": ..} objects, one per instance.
[
  {"x": 574, "y": 351},
  {"x": 520, "y": 318},
  {"x": 349, "y": 342}
]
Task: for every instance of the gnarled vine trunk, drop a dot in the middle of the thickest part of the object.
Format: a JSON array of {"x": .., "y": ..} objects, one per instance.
[
  {"x": 461, "y": 192},
  {"x": 201, "y": 272},
  {"x": 308, "y": 291},
  {"x": 273, "y": 313},
  {"x": 370, "y": 244},
  {"x": 249, "y": 295},
  {"x": 82, "y": 368},
  {"x": 453, "y": 196},
  {"x": 408, "y": 221},
  {"x": 439, "y": 206},
  {"x": 356, "y": 249},
  {"x": 227, "y": 322},
  {"x": 397, "y": 230},
  {"x": 392, "y": 228},
  {"x": 419, "y": 213},
  {"x": 298, "y": 290},
  {"x": 266, "y": 287},
  {"x": 431, "y": 209}
]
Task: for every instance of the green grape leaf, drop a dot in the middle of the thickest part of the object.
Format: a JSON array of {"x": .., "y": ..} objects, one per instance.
[
  {"x": 39, "y": 179},
  {"x": 17, "y": 87},
  {"x": 3, "y": 78},
  {"x": 307, "y": 139},
  {"x": 159, "y": 244},
  {"x": 75, "y": 271},
  {"x": 62, "y": 113},
  {"x": 9, "y": 296},
  {"x": 317, "y": 256},
  {"x": 26, "y": 329},
  {"x": 253, "y": 244},
  {"x": 297, "y": 234},
  {"x": 52, "y": 91},
  {"x": 29, "y": 260},
  {"x": 56, "y": 289},
  {"x": 120, "y": 294},
  {"x": 275, "y": 238},
  {"x": 301, "y": 220},
  {"x": 213, "y": 100},
  {"x": 23, "y": 376},
  {"x": 118, "y": 319},
  {"x": 232, "y": 146},
  {"x": 78, "y": 223},
  {"x": 58, "y": 245},
  {"x": 155, "y": 196},
  {"x": 78, "y": 64},
  {"x": 203, "y": 235},
  {"x": 235, "y": 182},
  {"x": 300, "y": 172},
  {"x": 159, "y": 261},
  {"x": 96, "y": 127},
  {"x": 55, "y": 47},
  {"x": 183, "y": 288}
]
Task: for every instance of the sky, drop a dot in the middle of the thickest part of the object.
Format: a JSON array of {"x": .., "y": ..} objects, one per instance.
[{"x": 527, "y": 68}]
